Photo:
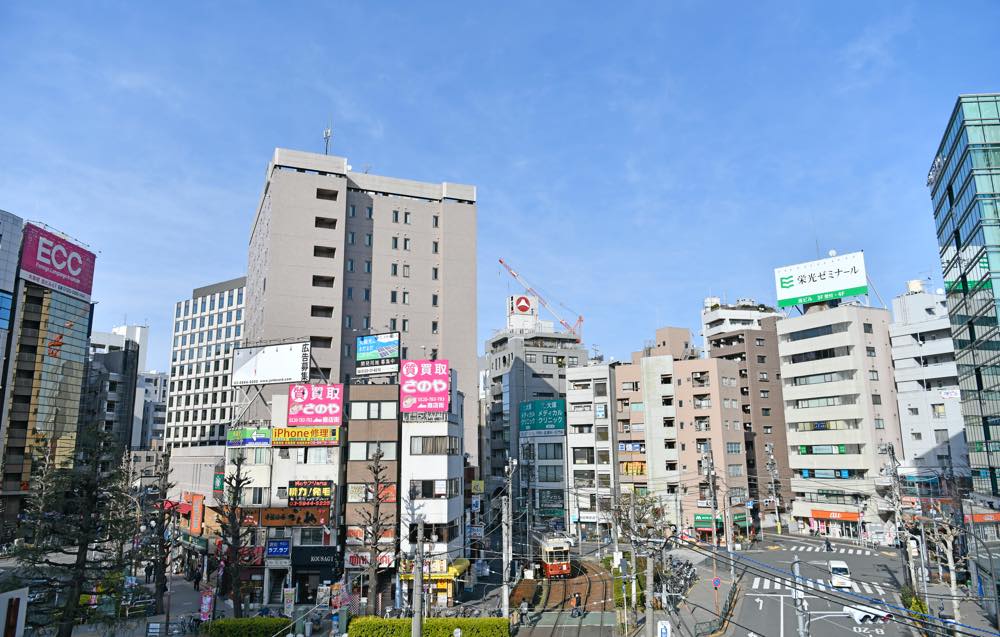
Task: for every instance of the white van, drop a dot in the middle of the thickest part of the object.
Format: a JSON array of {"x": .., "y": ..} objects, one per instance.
[{"x": 840, "y": 574}]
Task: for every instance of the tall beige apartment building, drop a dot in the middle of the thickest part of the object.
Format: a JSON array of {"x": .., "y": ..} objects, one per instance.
[
  {"x": 336, "y": 254},
  {"x": 675, "y": 415}
]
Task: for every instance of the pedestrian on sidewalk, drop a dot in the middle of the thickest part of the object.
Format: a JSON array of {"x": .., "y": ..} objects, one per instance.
[
  {"x": 149, "y": 571},
  {"x": 197, "y": 580},
  {"x": 827, "y": 545}
]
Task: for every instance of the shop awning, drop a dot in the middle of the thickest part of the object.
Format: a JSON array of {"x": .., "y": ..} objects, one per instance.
[
  {"x": 455, "y": 569},
  {"x": 171, "y": 505}
]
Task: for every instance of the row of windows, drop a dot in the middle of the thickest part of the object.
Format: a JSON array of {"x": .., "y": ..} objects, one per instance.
[
  {"x": 210, "y": 320},
  {"x": 435, "y": 445},
  {"x": 394, "y": 270},
  {"x": 407, "y": 216},
  {"x": 404, "y": 297},
  {"x": 231, "y": 298},
  {"x": 204, "y": 351},
  {"x": 429, "y": 489},
  {"x": 209, "y": 335}
]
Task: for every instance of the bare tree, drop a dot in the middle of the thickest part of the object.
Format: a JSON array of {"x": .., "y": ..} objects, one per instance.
[
  {"x": 944, "y": 536},
  {"x": 237, "y": 534},
  {"x": 162, "y": 544},
  {"x": 376, "y": 521}
]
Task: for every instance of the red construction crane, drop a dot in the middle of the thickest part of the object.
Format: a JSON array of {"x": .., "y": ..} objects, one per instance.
[{"x": 575, "y": 329}]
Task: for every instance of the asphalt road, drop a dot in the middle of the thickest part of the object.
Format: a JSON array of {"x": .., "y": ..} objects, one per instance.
[{"x": 767, "y": 606}]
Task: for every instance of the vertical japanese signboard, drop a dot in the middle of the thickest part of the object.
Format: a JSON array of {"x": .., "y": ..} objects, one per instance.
[
  {"x": 424, "y": 386},
  {"x": 311, "y": 405},
  {"x": 823, "y": 280}
]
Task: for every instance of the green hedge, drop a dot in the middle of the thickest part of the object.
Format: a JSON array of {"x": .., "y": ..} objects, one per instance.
[
  {"x": 245, "y": 627},
  {"x": 433, "y": 627}
]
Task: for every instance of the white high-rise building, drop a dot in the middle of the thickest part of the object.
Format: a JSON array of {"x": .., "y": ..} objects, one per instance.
[
  {"x": 207, "y": 327},
  {"x": 841, "y": 414},
  {"x": 930, "y": 409}
]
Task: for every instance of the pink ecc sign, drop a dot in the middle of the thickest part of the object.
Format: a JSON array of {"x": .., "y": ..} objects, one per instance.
[
  {"x": 311, "y": 405},
  {"x": 56, "y": 262},
  {"x": 423, "y": 386}
]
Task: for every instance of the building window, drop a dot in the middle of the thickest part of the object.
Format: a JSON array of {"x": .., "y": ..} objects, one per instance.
[
  {"x": 322, "y": 311},
  {"x": 368, "y": 239},
  {"x": 764, "y": 393},
  {"x": 406, "y": 298},
  {"x": 937, "y": 410},
  {"x": 311, "y": 536},
  {"x": 550, "y": 451},
  {"x": 550, "y": 473},
  {"x": 393, "y": 296},
  {"x": 350, "y": 238},
  {"x": 348, "y": 320},
  {"x": 368, "y": 267},
  {"x": 734, "y": 470},
  {"x": 876, "y": 399},
  {"x": 872, "y": 374},
  {"x": 768, "y": 429},
  {"x": 395, "y": 243},
  {"x": 868, "y": 328},
  {"x": 530, "y": 358},
  {"x": 435, "y": 221},
  {"x": 879, "y": 423},
  {"x": 765, "y": 411},
  {"x": 406, "y": 325},
  {"x": 367, "y": 294},
  {"x": 434, "y": 247},
  {"x": 321, "y": 342},
  {"x": 322, "y": 281},
  {"x": 406, "y": 243},
  {"x": 350, "y": 265},
  {"x": 406, "y": 216},
  {"x": 395, "y": 216},
  {"x": 760, "y": 342},
  {"x": 870, "y": 351},
  {"x": 392, "y": 325},
  {"x": 733, "y": 447},
  {"x": 434, "y": 327},
  {"x": 406, "y": 270},
  {"x": 762, "y": 376},
  {"x": 762, "y": 359},
  {"x": 369, "y": 213},
  {"x": 366, "y": 322},
  {"x": 434, "y": 274},
  {"x": 916, "y": 435},
  {"x": 350, "y": 292},
  {"x": 434, "y": 300},
  {"x": 351, "y": 211},
  {"x": 913, "y": 411},
  {"x": 434, "y": 445},
  {"x": 429, "y": 489},
  {"x": 394, "y": 269}
]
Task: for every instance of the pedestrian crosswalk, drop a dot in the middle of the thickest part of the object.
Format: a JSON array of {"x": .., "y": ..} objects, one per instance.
[
  {"x": 779, "y": 584},
  {"x": 807, "y": 548}
]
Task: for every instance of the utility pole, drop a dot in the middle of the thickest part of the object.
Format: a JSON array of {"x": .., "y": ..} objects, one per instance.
[
  {"x": 527, "y": 452},
  {"x": 799, "y": 597},
  {"x": 417, "y": 625},
  {"x": 710, "y": 473},
  {"x": 635, "y": 576},
  {"x": 649, "y": 595},
  {"x": 901, "y": 533},
  {"x": 506, "y": 523},
  {"x": 772, "y": 468}
]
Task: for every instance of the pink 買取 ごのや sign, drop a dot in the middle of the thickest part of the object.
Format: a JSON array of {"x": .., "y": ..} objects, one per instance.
[
  {"x": 310, "y": 405},
  {"x": 424, "y": 386}
]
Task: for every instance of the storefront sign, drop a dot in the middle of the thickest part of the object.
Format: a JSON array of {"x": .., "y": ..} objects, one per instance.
[
  {"x": 248, "y": 437},
  {"x": 848, "y": 516},
  {"x": 475, "y": 504},
  {"x": 315, "y": 405},
  {"x": 323, "y": 596},
  {"x": 310, "y": 493},
  {"x": 982, "y": 517},
  {"x": 199, "y": 544},
  {"x": 474, "y": 531},
  {"x": 218, "y": 483},
  {"x": 478, "y": 486},
  {"x": 305, "y": 436},
  {"x": 542, "y": 418},
  {"x": 361, "y": 558},
  {"x": 278, "y": 562},
  {"x": 424, "y": 386},
  {"x": 278, "y": 548},
  {"x": 197, "y": 513},
  {"x": 205, "y": 608},
  {"x": 288, "y": 601},
  {"x": 294, "y": 516},
  {"x": 314, "y": 556}
]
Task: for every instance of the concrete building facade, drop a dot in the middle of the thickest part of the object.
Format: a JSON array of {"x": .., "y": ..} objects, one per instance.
[
  {"x": 930, "y": 407},
  {"x": 207, "y": 328},
  {"x": 745, "y": 314},
  {"x": 335, "y": 254},
  {"x": 755, "y": 350},
  {"x": 592, "y": 450},
  {"x": 841, "y": 415}
]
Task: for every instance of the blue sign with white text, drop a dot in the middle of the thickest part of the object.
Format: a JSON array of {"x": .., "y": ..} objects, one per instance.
[{"x": 278, "y": 548}]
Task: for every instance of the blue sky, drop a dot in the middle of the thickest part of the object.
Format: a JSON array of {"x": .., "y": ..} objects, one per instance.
[{"x": 630, "y": 159}]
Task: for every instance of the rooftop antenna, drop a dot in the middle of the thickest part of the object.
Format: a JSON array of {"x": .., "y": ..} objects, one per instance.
[
  {"x": 327, "y": 134},
  {"x": 367, "y": 168}
]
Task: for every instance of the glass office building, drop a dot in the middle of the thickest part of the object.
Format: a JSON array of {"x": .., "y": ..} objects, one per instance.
[{"x": 964, "y": 182}]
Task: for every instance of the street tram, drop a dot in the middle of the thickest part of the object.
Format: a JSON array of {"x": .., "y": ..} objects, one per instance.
[{"x": 554, "y": 554}]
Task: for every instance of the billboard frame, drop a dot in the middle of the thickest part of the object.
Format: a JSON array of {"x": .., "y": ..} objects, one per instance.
[{"x": 385, "y": 365}]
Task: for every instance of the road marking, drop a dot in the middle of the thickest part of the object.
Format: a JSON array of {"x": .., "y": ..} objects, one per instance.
[
  {"x": 854, "y": 587},
  {"x": 756, "y": 582},
  {"x": 760, "y": 604},
  {"x": 767, "y": 584},
  {"x": 879, "y": 589}
]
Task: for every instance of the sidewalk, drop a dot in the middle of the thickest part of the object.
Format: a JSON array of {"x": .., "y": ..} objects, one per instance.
[
  {"x": 184, "y": 601},
  {"x": 971, "y": 613},
  {"x": 700, "y": 604}
]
